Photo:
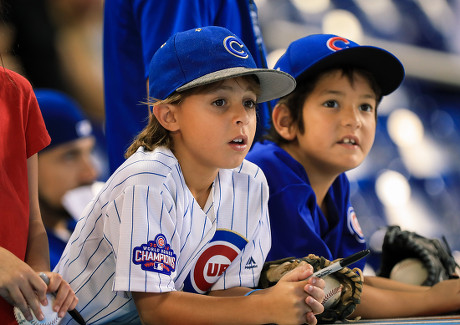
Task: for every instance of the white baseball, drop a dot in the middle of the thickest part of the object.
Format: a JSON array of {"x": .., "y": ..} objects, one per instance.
[
  {"x": 51, "y": 317},
  {"x": 332, "y": 291},
  {"x": 409, "y": 270}
]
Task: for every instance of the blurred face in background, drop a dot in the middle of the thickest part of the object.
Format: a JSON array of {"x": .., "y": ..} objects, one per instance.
[{"x": 65, "y": 167}]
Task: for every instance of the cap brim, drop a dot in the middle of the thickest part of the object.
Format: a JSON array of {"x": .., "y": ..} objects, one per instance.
[
  {"x": 386, "y": 68},
  {"x": 273, "y": 83}
]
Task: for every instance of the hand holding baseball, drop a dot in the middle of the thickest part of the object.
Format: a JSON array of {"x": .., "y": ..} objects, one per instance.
[
  {"x": 52, "y": 311},
  {"x": 296, "y": 300},
  {"x": 20, "y": 285},
  {"x": 65, "y": 297}
]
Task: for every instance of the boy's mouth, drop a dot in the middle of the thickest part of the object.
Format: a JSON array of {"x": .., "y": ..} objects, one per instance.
[
  {"x": 238, "y": 141},
  {"x": 349, "y": 140}
]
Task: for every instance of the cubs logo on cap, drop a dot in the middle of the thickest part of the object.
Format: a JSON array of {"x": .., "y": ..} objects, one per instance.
[
  {"x": 204, "y": 55},
  {"x": 337, "y": 43},
  {"x": 314, "y": 53},
  {"x": 233, "y": 46}
]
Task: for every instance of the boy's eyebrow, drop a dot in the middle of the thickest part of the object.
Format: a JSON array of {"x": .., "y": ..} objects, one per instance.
[
  {"x": 340, "y": 93},
  {"x": 231, "y": 88}
]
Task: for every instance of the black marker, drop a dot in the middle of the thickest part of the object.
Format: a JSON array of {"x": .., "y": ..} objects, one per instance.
[
  {"x": 334, "y": 267},
  {"x": 74, "y": 313}
]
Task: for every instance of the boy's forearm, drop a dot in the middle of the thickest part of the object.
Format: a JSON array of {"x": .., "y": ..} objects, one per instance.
[
  {"x": 384, "y": 303},
  {"x": 37, "y": 255},
  {"x": 384, "y": 283},
  {"x": 232, "y": 292},
  {"x": 187, "y": 308}
]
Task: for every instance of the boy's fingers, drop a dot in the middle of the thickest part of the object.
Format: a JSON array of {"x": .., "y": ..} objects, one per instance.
[
  {"x": 311, "y": 319},
  {"x": 24, "y": 300},
  {"x": 316, "y": 292},
  {"x": 18, "y": 300},
  {"x": 55, "y": 281},
  {"x": 300, "y": 273},
  {"x": 69, "y": 304},
  {"x": 315, "y": 305}
]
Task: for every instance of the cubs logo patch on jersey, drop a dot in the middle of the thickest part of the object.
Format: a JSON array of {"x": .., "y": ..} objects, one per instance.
[
  {"x": 215, "y": 258},
  {"x": 353, "y": 225},
  {"x": 155, "y": 256}
]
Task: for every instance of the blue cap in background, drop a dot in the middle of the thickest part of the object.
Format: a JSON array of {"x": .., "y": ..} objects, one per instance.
[{"x": 64, "y": 119}]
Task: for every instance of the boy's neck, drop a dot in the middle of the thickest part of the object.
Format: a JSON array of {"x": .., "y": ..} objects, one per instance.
[
  {"x": 320, "y": 185},
  {"x": 199, "y": 180},
  {"x": 320, "y": 179},
  {"x": 199, "y": 186}
]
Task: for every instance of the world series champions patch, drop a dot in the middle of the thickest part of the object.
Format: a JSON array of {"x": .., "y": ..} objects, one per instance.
[
  {"x": 217, "y": 256},
  {"x": 155, "y": 256}
]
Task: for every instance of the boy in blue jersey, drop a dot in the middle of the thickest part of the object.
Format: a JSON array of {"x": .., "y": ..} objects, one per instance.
[{"x": 321, "y": 130}]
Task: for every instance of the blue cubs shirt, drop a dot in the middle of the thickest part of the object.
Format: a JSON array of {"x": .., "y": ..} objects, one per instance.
[{"x": 297, "y": 223}]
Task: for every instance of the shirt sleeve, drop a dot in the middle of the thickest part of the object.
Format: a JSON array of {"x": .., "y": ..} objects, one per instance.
[
  {"x": 37, "y": 136},
  {"x": 146, "y": 234}
]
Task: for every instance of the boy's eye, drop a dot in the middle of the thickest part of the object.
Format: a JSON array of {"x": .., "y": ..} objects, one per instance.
[
  {"x": 331, "y": 103},
  {"x": 219, "y": 102},
  {"x": 367, "y": 108},
  {"x": 70, "y": 156},
  {"x": 250, "y": 103}
]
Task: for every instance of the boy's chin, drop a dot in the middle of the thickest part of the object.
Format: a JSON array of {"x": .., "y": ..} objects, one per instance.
[{"x": 233, "y": 164}]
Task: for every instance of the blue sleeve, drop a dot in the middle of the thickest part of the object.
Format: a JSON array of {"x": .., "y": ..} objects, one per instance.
[{"x": 157, "y": 20}]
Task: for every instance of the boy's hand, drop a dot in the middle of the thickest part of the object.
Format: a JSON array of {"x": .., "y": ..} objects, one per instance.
[
  {"x": 351, "y": 280},
  {"x": 65, "y": 297},
  {"x": 20, "y": 285},
  {"x": 296, "y": 301}
]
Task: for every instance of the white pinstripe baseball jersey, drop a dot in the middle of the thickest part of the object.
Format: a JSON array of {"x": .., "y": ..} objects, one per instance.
[{"x": 145, "y": 232}]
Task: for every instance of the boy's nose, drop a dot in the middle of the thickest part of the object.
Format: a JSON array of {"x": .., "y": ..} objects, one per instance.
[
  {"x": 88, "y": 171},
  {"x": 242, "y": 115},
  {"x": 351, "y": 117}
]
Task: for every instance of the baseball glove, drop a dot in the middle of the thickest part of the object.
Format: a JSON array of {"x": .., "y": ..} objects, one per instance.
[
  {"x": 434, "y": 254},
  {"x": 351, "y": 281}
]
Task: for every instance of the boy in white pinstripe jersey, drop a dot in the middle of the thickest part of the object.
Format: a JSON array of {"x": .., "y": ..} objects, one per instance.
[{"x": 180, "y": 231}]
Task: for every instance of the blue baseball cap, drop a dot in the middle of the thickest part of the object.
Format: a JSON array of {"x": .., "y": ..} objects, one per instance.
[
  {"x": 63, "y": 117},
  {"x": 318, "y": 52},
  {"x": 205, "y": 55}
]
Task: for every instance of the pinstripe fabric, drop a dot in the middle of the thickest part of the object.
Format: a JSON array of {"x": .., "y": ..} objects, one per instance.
[{"x": 145, "y": 197}]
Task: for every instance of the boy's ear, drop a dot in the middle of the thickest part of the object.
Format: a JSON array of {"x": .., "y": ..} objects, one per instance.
[
  {"x": 282, "y": 121},
  {"x": 165, "y": 114}
]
